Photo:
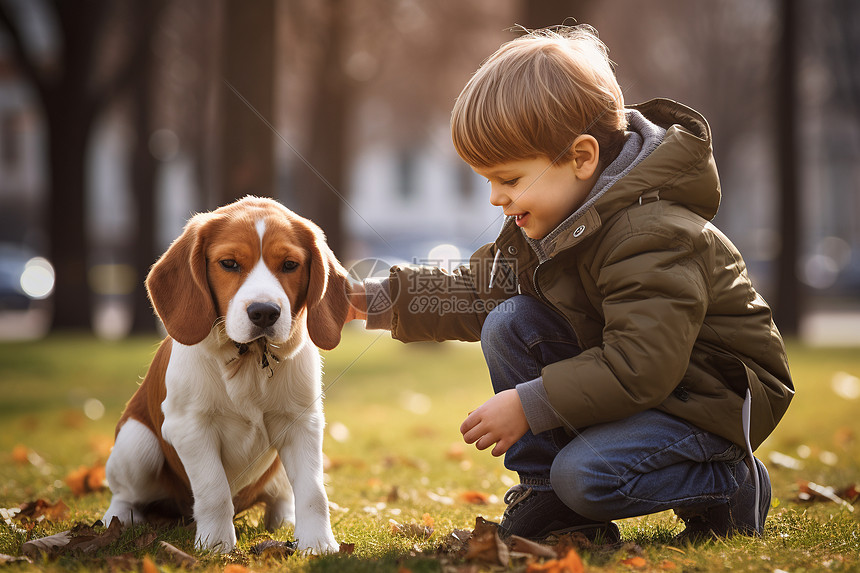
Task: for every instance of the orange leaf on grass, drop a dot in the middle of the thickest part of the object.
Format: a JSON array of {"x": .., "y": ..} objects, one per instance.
[
  {"x": 570, "y": 563},
  {"x": 475, "y": 497},
  {"x": 86, "y": 480},
  {"x": 36, "y": 510},
  {"x": 637, "y": 562},
  {"x": 21, "y": 454},
  {"x": 148, "y": 565}
]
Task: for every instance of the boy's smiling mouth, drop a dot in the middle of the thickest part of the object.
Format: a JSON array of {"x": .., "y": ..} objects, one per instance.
[{"x": 520, "y": 218}]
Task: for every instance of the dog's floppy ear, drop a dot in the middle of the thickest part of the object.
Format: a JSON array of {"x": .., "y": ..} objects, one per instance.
[
  {"x": 327, "y": 294},
  {"x": 178, "y": 287}
]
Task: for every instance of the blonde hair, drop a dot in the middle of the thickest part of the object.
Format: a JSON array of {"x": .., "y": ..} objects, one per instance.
[{"x": 535, "y": 95}]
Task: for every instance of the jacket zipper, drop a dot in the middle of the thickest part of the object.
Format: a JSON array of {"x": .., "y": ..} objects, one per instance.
[{"x": 537, "y": 286}]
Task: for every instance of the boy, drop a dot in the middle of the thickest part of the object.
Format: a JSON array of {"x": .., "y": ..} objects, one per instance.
[{"x": 635, "y": 367}]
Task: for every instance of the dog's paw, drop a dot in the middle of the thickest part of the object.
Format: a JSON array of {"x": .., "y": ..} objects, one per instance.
[
  {"x": 317, "y": 544},
  {"x": 216, "y": 537},
  {"x": 123, "y": 511}
]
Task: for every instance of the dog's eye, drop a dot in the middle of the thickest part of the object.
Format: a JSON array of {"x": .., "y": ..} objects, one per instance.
[
  {"x": 229, "y": 265},
  {"x": 290, "y": 266}
]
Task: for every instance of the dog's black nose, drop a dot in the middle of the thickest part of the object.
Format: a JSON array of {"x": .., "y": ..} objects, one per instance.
[{"x": 264, "y": 314}]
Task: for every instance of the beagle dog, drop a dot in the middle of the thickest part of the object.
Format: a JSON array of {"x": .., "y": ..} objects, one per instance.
[{"x": 229, "y": 413}]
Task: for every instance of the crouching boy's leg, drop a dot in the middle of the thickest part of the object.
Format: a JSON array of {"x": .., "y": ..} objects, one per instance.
[
  {"x": 652, "y": 462},
  {"x": 519, "y": 338}
]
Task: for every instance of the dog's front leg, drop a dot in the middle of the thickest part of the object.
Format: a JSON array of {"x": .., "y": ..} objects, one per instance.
[
  {"x": 302, "y": 458},
  {"x": 199, "y": 449}
]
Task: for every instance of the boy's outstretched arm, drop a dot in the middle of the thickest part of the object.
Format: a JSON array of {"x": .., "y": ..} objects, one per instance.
[{"x": 500, "y": 420}]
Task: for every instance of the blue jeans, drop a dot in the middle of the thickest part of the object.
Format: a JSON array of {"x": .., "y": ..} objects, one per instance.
[{"x": 642, "y": 464}]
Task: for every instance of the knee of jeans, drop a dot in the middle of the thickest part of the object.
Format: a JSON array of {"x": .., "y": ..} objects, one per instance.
[
  {"x": 497, "y": 328},
  {"x": 502, "y": 325},
  {"x": 584, "y": 488}
]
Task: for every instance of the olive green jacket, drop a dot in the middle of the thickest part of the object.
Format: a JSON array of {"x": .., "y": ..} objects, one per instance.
[{"x": 659, "y": 298}]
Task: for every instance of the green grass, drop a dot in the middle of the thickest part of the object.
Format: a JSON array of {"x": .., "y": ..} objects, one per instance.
[{"x": 395, "y": 410}]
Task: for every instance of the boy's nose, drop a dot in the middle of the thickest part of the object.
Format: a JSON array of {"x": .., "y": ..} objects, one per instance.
[{"x": 498, "y": 197}]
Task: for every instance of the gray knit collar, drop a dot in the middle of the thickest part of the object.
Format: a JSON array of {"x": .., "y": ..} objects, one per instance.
[{"x": 643, "y": 137}]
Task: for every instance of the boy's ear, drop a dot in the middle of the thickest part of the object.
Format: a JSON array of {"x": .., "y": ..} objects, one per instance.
[{"x": 586, "y": 156}]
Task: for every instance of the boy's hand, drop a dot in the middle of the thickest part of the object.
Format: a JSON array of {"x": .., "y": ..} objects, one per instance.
[
  {"x": 500, "y": 420},
  {"x": 357, "y": 303}
]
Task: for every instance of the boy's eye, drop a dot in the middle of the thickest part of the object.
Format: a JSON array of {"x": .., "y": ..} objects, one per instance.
[{"x": 511, "y": 182}]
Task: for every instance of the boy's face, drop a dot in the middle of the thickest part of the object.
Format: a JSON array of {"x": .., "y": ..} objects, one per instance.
[{"x": 537, "y": 192}]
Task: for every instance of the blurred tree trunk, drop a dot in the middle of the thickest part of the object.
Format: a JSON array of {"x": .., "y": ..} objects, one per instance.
[
  {"x": 247, "y": 162},
  {"x": 143, "y": 171},
  {"x": 788, "y": 306},
  {"x": 68, "y": 136},
  {"x": 321, "y": 184},
  {"x": 73, "y": 92}
]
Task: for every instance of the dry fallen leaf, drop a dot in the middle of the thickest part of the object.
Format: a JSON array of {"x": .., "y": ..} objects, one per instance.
[
  {"x": 485, "y": 546},
  {"x": 410, "y": 529},
  {"x": 82, "y": 538},
  {"x": 89, "y": 541},
  {"x": 475, "y": 497},
  {"x": 20, "y": 454},
  {"x": 51, "y": 545},
  {"x": 575, "y": 540},
  {"x": 236, "y": 568},
  {"x": 347, "y": 548},
  {"x": 145, "y": 539},
  {"x": 637, "y": 562},
  {"x": 87, "y": 479},
  {"x": 812, "y": 492},
  {"x": 570, "y": 563},
  {"x": 33, "y": 511},
  {"x": 273, "y": 548},
  {"x": 148, "y": 565},
  {"x": 522, "y": 545},
  {"x": 177, "y": 555}
]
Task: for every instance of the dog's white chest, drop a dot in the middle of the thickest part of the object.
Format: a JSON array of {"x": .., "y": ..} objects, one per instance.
[{"x": 250, "y": 416}]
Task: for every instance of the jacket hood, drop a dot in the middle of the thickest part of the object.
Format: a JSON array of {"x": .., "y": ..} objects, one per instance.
[{"x": 680, "y": 169}]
